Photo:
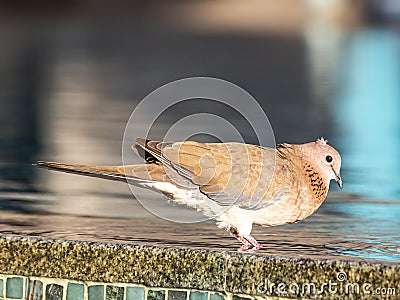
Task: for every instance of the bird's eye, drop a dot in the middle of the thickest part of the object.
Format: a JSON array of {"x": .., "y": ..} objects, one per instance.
[{"x": 329, "y": 158}]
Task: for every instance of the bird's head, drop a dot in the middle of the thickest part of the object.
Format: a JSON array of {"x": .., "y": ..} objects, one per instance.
[{"x": 325, "y": 159}]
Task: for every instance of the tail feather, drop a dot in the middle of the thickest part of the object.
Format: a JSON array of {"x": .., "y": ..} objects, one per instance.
[
  {"x": 106, "y": 172},
  {"x": 135, "y": 174}
]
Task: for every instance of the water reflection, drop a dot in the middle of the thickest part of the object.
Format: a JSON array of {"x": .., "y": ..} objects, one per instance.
[{"x": 325, "y": 235}]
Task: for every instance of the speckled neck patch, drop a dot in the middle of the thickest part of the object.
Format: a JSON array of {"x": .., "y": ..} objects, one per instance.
[{"x": 317, "y": 184}]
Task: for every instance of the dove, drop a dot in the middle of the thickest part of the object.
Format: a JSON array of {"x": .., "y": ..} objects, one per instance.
[{"x": 238, "y": 185}]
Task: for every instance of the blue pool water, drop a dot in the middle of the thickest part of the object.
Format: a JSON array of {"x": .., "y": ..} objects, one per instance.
[{"x": 366, "y": 112}]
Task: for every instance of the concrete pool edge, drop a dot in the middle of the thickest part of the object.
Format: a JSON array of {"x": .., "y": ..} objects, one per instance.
[{"x": 173, "y": 267}]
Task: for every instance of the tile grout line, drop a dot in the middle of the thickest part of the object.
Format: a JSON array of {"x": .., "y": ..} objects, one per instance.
[
  {"x": 85, "y": 291},
  {"x": 125, "y": 292}
]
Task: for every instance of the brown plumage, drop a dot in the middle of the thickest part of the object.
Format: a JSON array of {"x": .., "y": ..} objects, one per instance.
[{"x": 236, "y": 184}]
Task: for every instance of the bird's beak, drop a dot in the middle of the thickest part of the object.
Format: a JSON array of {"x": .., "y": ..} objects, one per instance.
[{"x": 337, "y": 178}]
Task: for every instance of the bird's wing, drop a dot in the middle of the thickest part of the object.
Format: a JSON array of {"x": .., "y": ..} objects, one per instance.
[{"x": 228, "y": 173}]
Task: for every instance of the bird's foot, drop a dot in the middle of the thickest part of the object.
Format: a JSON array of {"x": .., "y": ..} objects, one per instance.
[
  {"x": 244, "y": 248},
  {"x": 248, "y": 249},
  {"x": 253, "y": 241},
  {"x": 250, "y": 244}
]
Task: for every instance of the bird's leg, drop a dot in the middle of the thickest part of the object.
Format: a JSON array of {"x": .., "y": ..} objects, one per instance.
[
  {"x": 246, "y": 244},
  {"x": 253, "y": 242}
]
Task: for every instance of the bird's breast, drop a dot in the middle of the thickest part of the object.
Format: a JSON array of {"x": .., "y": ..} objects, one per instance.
[{"x": 305, "y": 190}]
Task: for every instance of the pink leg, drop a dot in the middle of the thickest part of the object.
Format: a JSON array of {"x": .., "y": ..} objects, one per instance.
[
  {"x": 253, "y": 241},
  {"x": 246, "y": 244}
]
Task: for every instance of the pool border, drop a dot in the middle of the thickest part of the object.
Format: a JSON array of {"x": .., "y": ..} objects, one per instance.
[{"x": 179, "y": 268}]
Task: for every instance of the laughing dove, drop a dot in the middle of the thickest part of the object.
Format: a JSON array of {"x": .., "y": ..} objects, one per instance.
[{"x": 238, "y": 185}]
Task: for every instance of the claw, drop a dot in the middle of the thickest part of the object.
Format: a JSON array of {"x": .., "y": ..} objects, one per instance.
[{"x": 244, "y": 248}]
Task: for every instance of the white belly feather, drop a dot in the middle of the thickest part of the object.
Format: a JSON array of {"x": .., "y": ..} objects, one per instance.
[{"x": 226, "y": 217}]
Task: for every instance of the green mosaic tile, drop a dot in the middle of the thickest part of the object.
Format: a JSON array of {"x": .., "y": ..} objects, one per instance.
[
  {"x": 75, "y": 291},
  {"x": 14, "y": 287},
  {"x": 177, "y": 295},
  {"x": 96, "y": 292},
  {"x": 240, "y": 298},
  {"x": 216, "y": 297},
  {"x": 156, "y": 295},
  {"x": 198, "y": 295},
  {"x": 35, "y": 290},
  {"x": 114, "y": 292},
  {"x": 135, "y": 293},
  {"x": 1, "y": 288},
  {"x": 54, "y": 292}
]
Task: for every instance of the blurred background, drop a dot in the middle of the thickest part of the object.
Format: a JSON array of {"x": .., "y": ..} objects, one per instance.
[{"x": 72, "y": 71}]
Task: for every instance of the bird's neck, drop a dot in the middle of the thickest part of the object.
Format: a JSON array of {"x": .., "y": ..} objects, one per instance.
[
  {"x": 318, "y": 186},
  {"x": 314, "y": 178}
]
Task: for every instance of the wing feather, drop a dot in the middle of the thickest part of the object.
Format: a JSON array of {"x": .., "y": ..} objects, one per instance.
[{"x": 228, "y": 173}]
